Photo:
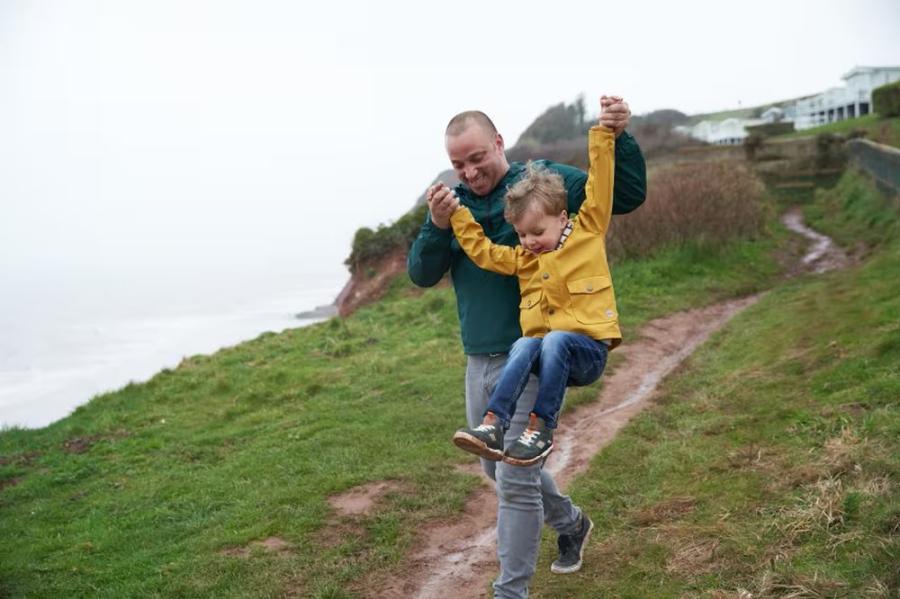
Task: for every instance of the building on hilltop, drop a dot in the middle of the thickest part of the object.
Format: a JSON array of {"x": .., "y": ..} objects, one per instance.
[
  {"x": 774, "y": 115},
  {"x": 730, "y": 132},
  {"x": 834, "y": 104},
  {"x": 840, "y": 103}
]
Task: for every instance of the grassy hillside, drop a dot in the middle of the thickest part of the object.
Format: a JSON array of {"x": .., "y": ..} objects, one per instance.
[
  {"x": 768, "y": 467},
  {"x": 169, "y": 488},
  {"x": 147, "y": 490},
  {"x": 741, "y": 113},
  {"x": 213, "y": 479},
  {"x": 875, "y": 128}
]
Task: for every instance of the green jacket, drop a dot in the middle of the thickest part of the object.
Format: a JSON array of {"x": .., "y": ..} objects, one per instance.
[{"x": 488, "y": 303}]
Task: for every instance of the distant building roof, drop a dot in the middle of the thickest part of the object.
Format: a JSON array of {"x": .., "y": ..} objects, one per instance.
[{"x": 861, "y": 70}]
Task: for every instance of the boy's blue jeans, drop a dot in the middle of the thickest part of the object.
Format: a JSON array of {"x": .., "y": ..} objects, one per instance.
[{"x": 559, "y": 360}]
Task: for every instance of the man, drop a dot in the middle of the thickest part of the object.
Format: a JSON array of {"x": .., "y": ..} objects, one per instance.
[{"x": 488, "y": 307}]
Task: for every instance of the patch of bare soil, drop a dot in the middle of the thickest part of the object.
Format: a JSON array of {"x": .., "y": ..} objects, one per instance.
[
  {"x": 82, "y": 444},
  {"x": 269, "y": 545},
  {"x": 79, "y": 444},
  {"x": 360, "y": 500},
  {"x": 370, "y": 281},
  {"x": 10, "y": 482},
  {"x": 691, "y": 557},
  {"x": 454, "y": 559},
  {"x": 665, "y": 511},
  {"x": 457, "y": 559},
  {"x": 350, "y": 509},
  {"x": 20, "y": 459}
]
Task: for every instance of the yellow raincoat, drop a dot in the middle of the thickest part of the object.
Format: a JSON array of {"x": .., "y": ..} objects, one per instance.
[{"x": 569, "y": 289}]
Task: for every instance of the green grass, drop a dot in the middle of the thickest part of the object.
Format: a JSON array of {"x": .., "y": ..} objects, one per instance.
[
  {"x": 249, "y": 443},
  {"x": 769, "y": 463},
  {"x": 684, "y": 278},
  {"x": 878, "y": 129},
  {"x": 854, "y": 212},
  {"x": 161, "y": 489}
]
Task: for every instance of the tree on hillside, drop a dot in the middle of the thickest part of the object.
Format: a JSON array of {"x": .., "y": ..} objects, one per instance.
[{"x": 558, "y": 122}]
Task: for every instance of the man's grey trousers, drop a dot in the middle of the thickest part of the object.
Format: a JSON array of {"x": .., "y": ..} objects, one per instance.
[{"x": 527, "y": 496}]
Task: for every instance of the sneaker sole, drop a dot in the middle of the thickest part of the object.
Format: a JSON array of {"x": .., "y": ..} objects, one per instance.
[
  {"x": 576, "y": 567},
  {"x": 467, "y": 442},
  {"x": 529, "y": 461}
]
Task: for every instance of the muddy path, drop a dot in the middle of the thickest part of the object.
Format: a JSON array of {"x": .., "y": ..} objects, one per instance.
[
  {"x": 822, "y": 254},
  {"x": 458, "y": 558}
]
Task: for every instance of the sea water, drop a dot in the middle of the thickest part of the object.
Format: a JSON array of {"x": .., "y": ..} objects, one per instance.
[{"x": 66, "y": 337}]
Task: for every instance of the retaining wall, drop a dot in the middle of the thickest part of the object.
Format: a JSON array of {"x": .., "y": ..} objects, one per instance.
[{"x": 881, "y": 162}]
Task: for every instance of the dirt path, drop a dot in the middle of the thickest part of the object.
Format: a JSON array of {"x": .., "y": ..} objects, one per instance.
[
  {"x": 823, "y": 255},
  {"x": 458, "y": 558}
]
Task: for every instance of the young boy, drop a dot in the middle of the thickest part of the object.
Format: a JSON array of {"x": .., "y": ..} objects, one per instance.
[{"x": 568, "y": 310}]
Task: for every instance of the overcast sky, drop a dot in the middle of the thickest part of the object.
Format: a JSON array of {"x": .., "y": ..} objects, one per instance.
[{"x": 245, "y": 135}]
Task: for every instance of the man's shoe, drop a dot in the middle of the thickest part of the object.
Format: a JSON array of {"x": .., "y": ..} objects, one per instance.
[
  {"x": 533, "y": 445},
  {"x": 485, "y": 440},
  {"x": 571, "y": 548}
]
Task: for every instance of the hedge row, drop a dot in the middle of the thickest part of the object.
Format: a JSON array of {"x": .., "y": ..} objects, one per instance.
[
  {"x": 772, "y": 128},
  {"x": 886, "y": 99}
]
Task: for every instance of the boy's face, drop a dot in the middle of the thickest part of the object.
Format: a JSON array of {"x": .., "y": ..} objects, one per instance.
[{"x": 538, "y": 231}]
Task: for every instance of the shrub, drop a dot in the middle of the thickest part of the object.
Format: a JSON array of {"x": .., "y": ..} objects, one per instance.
[
  {"x": 752, "y": 144},
  {"x": 560, "y": 122},
  {"x": 568, "y": 151},
  {"x": 886, "y": 99},
  {"x": 709, "y": 202},
  {"x": 771, "y": 128},
  {"x": 369, "y": 244},
  {"x": 829, "y": 150}
]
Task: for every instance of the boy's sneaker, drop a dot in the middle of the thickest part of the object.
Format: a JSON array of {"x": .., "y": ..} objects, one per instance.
[
  {"x": 533, "y": 445},
  {"x": 485, "y": 440},
  {"x": 571, "y": 548}
]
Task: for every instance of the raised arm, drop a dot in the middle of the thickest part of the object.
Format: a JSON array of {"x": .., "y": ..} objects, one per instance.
[
  {"x": 481, "y": 250},
  {"x": 596, "y": 210},
  {"x": 630, "y": 188}
]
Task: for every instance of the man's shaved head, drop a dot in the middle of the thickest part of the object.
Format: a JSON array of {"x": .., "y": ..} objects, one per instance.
[
  {"x": 476, "y": 151},
  {"x": 464, "y": 120}
]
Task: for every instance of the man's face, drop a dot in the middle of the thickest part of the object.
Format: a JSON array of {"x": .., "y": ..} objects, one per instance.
[{"x": 478, "y": 158}]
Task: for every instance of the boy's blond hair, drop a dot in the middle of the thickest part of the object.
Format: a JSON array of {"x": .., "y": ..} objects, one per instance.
[{"x": 540, "y": 187}]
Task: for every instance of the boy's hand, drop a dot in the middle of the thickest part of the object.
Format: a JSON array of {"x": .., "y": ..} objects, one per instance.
[
  {"x": 442, "y": 203},
  {"x": 614, "y": 113}
]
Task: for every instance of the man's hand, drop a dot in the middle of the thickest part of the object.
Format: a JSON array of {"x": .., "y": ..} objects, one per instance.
[
  {"x": 442, "y": 203},
  {"x": 614, "y": 113}
]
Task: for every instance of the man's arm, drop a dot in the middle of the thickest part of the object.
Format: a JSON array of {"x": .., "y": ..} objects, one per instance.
[
  {"x": 429, "y": 255},
  {"x": 630, "y": 188},
  {"x": 631, "y": 172},
  {"x": 631, "y": 179},
  {"x": 482, "y": 251}
]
